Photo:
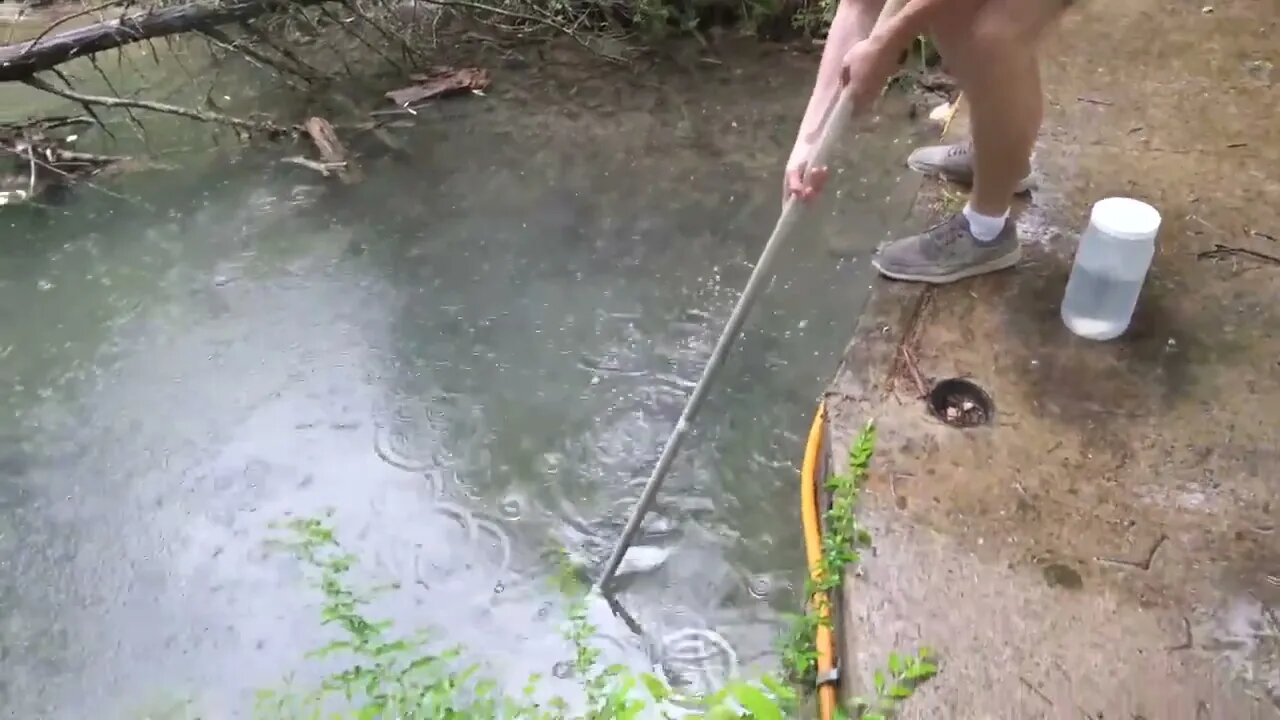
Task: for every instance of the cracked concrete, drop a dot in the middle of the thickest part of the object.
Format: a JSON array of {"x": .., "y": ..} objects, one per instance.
[{"x": 1109, "y": 546}]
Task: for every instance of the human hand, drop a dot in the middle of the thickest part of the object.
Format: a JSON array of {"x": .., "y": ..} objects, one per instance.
[
  {"x": 802, "y": 181},
  {"x": 865, "y": 71}
]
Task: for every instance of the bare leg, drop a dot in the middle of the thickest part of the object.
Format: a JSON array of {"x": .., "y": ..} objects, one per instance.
[
  {"x": 990, "y": 46},
  {"x": 994, "y": 58}
]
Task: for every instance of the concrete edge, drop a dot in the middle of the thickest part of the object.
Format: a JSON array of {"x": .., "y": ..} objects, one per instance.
[
  {"x": 873, "y": 358},
  {"x": 869, "y": 367}
]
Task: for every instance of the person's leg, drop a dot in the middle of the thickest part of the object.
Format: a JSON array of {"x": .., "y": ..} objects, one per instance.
[
  {"x": 956, "y": 162},
  {"x": 991, "y": 49},
  {"x": 1001, "y": 76}
]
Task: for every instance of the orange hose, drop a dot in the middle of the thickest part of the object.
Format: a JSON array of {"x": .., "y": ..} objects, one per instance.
[{"x": 809, "y": 515}]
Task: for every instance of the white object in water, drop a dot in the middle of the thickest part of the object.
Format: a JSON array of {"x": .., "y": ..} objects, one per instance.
[
  {"x": 642, "y": 559},
  {"x": 1110, "y": 267}
]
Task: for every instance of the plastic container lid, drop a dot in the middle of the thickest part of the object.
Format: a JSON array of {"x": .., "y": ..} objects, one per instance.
[{"x": 1125, "y": 218}]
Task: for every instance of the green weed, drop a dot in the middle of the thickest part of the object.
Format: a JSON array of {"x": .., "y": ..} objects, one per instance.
[
  {"x": 407, "y": 677},
  {"x": 843, "y": 537},
  {"x": 384, "y": 674},
  {"x": 904, "y": 674}
]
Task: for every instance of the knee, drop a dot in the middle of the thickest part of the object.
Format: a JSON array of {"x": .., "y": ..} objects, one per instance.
[
  {"x": 994, "y": 32},
  {"x": 1011, "y": 26}
]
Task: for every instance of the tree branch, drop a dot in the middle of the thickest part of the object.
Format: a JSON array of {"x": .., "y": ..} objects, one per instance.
[
  {"x": 22, "y": 60},
  {"x": 192, "y": 113}
]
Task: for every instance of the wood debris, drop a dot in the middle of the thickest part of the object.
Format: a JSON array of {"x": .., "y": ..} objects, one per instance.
[
  {"x": 37, "y": 162},
  {"x": 440, "y": 82}
]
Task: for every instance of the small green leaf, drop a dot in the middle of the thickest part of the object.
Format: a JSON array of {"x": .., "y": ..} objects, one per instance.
[
  {"x": 896, "y": 663},
  {"x": 722, "y": 712},
  {"x": 899, "y": 692},
  {"x": 757, "y": 703},
  {"x": 880, "y": 682},
  {"x": 656, "y": 687},
  {"x": 777, "y": 688}
]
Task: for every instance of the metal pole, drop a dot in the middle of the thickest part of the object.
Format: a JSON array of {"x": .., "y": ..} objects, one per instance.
[{"x": 835, "y": 120}]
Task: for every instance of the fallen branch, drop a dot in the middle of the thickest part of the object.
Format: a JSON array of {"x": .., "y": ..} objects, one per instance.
[
  {"x": 333, "y": 154},
  {"x": 192, "y": 113},
  {"x": 21, "y": 61},
  {"x": 324, "y": 168},
  {"x": 1145, "y": 563},
  {"x": 441, "y": 82},
  {"x": 43, "y": 165}
]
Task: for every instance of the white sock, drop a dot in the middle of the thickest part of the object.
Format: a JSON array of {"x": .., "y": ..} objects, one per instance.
[{"x": 985, "y": 228}]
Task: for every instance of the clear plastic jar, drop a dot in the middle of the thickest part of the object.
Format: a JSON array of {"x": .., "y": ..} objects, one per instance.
[{"x": 1110, "y": 267}]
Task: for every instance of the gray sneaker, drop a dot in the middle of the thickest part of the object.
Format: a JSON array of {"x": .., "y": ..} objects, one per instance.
[
  {"x": 954, "y": 163},
  {"x": 948, "y": 252}
]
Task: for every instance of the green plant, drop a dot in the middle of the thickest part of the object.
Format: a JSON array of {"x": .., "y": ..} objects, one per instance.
[
  {"x": 384, "y": 675},
  {"x": 905, "y": 674},
  {"x": 404, "y": 677},
  {"x": 843, "y": 537}
]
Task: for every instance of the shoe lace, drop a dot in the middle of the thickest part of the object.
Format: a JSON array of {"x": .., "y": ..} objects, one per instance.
[
  {"x": 958, "y": 149},
  {"x": 946, "y": 233}
]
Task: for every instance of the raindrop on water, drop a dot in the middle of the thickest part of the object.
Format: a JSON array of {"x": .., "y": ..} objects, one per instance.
[
  {"x": 551, "y": 462},
  {"x": 510, "y": 508},
  {"x": 760, "y": 586}
]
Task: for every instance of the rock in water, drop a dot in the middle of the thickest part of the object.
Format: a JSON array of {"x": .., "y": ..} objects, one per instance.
[{"x": 642, "y": 559}]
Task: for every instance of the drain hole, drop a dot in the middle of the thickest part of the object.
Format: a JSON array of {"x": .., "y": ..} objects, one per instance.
[{"x": 960, "y": 403}]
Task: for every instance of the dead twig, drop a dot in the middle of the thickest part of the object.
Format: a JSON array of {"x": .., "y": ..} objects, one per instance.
[
  {"x": 31, "y": 182},
  {"x": 1038, "y": 692},
  {"x": 345, "y": 27},
  {"x": 87, "y": 108},
  {"x": 516, "y": 15},
  {"x": 253, "y": 55},
  {"x": 53, "y": 168},
  {"x": 119, "y": 102},
  {"x": 1144, "y": 565},
  {"x": 301, "y": 68},
  {"x": 324, "y": 168},
  {"x": 921, "y": 388},
  {"x": 133, "y": 118},
  {"x": 1219, "y": 251},
  {"x": 410, "y": 53}
]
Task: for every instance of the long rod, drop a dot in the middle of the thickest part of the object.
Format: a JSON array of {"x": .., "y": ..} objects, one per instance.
[{"x": 834, "y": 122}]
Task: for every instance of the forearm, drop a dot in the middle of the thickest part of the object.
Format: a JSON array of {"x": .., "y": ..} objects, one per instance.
[{"x": 852, "y": 23}]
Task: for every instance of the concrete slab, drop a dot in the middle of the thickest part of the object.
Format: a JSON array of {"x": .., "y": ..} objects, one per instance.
[{"x": 1109, "y": 547}]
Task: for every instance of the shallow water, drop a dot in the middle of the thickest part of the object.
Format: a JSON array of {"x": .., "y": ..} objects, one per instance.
[{"x": 471, "y": 357}]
